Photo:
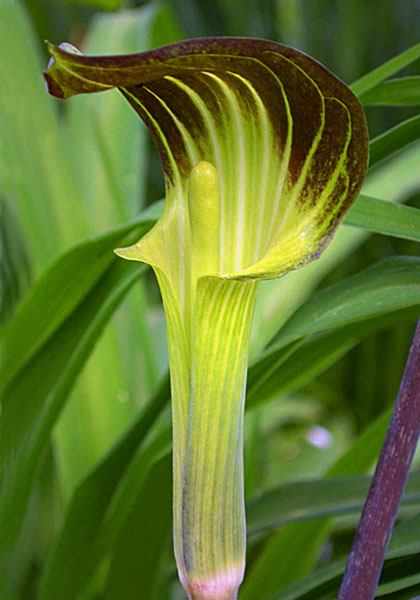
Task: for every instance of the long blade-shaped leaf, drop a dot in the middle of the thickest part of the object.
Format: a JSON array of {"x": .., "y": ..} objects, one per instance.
[
  {"x": 41, "y": 381},
  {"x": 72, "y": 561},
  {"x": 297, "y": 365},
  {"x": 389, "y": 285},
  {"x": 385, "y": 217},
  {"x": 147, "y": 526},
  {"x": 22, "y": 459},
  {"x": 384, "y": 71},
  {"x": 81, "y": 547},
  {"x": 106, "y": 150},
  {"x": 325, "y": 583},
  {"x": 395, "y": 139},
  {"x": 405, "y": 90},
  {"x": 19, "y": 79},
  {"x": 57, "y": 295},
  {"x": 14, "y": 265},
  {"x": 354, "y": 461},
  {"x": 311, "y": 499}
]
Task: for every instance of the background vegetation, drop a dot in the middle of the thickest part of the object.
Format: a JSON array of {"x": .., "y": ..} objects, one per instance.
[{"x": 85, "y": 509}]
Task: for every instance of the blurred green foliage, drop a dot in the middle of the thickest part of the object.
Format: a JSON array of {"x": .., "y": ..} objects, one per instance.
[{"x": 85, "y": 425}]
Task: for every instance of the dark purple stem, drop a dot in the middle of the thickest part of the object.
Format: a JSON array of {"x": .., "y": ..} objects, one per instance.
[{"x": 377, "y": 521}]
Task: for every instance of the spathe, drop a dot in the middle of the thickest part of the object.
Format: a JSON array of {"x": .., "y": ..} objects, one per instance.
[{"x": 263, "y": 150}]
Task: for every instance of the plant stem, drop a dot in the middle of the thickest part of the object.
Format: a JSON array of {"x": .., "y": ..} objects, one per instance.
[{"x": 364, "y": 567}]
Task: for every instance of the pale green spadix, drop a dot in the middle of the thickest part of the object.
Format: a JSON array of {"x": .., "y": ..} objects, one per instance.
[
  {"x": 204, "y": 213},
  {"x": 263, "y": 150}
]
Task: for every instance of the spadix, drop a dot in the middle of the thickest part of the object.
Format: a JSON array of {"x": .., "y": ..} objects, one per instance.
[{"x": 264, "y": 151}]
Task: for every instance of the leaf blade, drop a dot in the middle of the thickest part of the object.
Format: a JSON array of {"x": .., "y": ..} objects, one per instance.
[
  {"x": 147, "y": 527},
  {"x": 394, "y": 140},
  {"x": 59, "y": 300},
  {"x": 311, "y": 499},
  {"x": 90, "y": 518},
  {"x": 395, "y": 92},
  {"x": 387, "y": 218},
  {"x": 392, "y": 66},
  {"x": 351, "y": 300},
  {"x": 41, "y": 382}
]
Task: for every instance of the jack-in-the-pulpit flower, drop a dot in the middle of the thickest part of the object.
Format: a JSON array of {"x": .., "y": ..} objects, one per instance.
[{"x": 263, "y": 151}]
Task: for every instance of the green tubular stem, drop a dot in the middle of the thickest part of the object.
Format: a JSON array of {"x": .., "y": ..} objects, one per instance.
[{"x": 209, "y": 522}]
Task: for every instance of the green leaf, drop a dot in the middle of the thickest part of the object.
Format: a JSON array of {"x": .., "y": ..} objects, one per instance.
[
  {"x": 395, "y": 92},
  {"x": 389, "y": 285},
  {"x": 19, "y": 78},
  {"x": 296, "y": 366},
  {"x": 94, "y": 520},
  {"x": 145, "y": 533},
  {"x": 323, "y": 329},
  {"x": 99, "y": 4},
  {"x": 325, "y": 583},
  {"x": 301, "y": 500},
  {"x": 15, "y": 268},
  {"x": 42, "y": 378},
  {"x": 396, "y": 179},
  {"x": 388, "y": 69},
  {"x": 399, "y": 579},
  {"x": 393, "y": 140},
  {"x": 387, "y": 218},
  {"x": 355, "y": 460},
  {"x": 277, "y": 565},
  {"x": 22, "y": 456},
  {"x": 55, "y": 296}
]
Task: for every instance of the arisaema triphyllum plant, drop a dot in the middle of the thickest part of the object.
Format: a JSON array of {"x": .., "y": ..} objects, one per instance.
[{"x": 263, "y": 150}]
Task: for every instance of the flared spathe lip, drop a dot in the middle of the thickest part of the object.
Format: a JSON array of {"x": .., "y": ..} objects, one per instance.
[
  {"x": 246, "y": 47},
  {"x": 236, "y": 45}
]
